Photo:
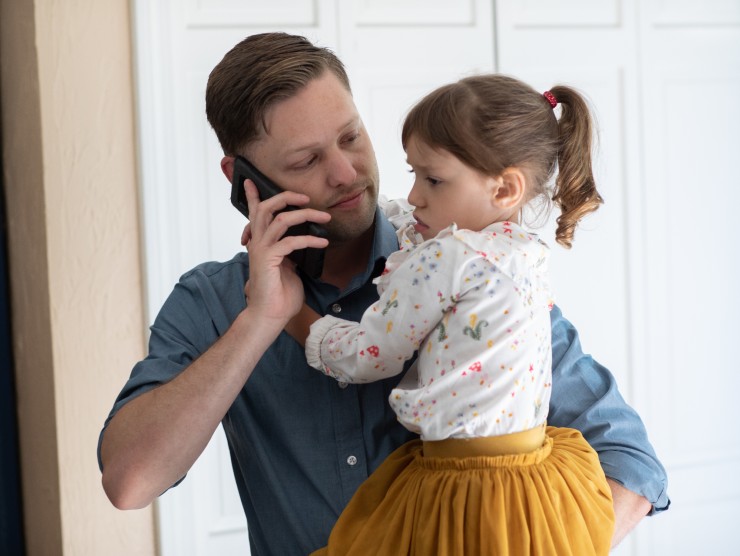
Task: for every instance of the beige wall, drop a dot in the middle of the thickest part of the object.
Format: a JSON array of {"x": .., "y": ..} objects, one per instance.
[{"x": 76, "y": 292}]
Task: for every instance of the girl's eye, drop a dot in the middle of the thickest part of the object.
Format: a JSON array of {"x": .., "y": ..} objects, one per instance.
[{"x": 433, "y": 181}]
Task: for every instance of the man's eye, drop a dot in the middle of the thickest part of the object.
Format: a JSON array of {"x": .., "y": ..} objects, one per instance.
[
  {"x": 352, "y": 138},
  {"x": 306, "y": 163}
]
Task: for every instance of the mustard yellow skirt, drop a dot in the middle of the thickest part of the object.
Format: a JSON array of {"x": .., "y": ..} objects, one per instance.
[{"x": 553, "y": 500}]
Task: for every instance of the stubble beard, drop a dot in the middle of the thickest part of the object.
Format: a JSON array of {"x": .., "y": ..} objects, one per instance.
[{"x": 353, "y": 225}]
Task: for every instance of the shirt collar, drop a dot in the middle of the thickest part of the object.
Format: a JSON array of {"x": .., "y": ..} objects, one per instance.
[{"x": 385, "y": 242}]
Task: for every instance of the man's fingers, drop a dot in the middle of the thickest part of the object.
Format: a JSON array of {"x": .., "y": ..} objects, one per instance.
[
  {"x": 247, "y": 233},
  {"x": 284, "y": 220},
  {"x": 269, "y": 223},
  {"x": 293, "y": 217},
  {"x": 270, "y": 206},
  {"x": 253, "y": 198},
  {"x": 294, "y": 243}
]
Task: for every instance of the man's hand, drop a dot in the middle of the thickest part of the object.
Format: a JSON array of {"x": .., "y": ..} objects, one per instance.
[
  {"x": 275, "y": 291},
  {"x": 629, "y": 509}
]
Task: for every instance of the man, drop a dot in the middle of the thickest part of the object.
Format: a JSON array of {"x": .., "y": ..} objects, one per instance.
[{"x": 300, "y": 443}]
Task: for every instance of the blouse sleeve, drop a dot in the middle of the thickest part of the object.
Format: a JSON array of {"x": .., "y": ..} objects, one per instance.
[{"x": 413, "y": 301}]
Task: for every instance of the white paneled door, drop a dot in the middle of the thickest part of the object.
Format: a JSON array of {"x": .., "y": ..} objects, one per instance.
[
  {"x": 664, "y": 77},
  {"x": 649, "y": 280}
]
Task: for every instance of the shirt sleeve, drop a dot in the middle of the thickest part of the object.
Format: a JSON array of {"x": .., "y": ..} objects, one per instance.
[
  {"x": 413, "y": 301},
  {"x": 585, "y": 397}
]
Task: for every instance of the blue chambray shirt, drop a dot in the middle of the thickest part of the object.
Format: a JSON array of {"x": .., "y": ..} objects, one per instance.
[{"x": 301, "y": 443}]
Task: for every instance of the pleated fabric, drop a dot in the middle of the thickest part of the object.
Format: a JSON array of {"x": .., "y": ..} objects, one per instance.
[{"x": 552, "y": 501}]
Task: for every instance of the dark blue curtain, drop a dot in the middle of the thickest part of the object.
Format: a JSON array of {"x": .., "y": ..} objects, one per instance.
[{"x": 11, "y": 516}]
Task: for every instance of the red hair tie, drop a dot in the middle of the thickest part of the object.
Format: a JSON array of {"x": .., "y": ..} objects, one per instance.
[{"x": 550, "y": 98}]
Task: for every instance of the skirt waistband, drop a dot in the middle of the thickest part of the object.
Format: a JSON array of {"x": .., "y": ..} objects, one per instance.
[{"x": 515, "y": 443}]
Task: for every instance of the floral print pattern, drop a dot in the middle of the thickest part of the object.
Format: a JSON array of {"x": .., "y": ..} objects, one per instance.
[{"x": 474, "y": 307}]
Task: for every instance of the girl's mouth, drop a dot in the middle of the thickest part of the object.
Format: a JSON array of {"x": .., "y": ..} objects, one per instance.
[{"x": 420, "y": 226}]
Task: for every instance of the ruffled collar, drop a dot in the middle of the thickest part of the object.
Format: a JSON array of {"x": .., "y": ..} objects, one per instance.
[{"x": 496, "y": 243}]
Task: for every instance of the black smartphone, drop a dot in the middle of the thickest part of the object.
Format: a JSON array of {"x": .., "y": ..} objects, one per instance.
[{"x": 310, "y": 260}]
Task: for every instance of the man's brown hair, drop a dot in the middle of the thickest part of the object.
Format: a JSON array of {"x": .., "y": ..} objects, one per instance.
[{"x": 254, "y": 75}]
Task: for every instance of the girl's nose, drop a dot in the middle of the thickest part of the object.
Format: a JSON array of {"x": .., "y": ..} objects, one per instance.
[{"x": 415, "y": 197}]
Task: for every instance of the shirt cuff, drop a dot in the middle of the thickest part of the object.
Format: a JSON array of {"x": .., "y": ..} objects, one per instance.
[{"x": 623, "y": 469}]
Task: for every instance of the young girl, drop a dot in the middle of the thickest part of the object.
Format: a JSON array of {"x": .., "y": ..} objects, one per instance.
[{"x": 469, "y": 292}]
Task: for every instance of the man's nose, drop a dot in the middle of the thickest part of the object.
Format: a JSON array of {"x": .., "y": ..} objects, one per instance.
[{"x": 341, "y": 170}]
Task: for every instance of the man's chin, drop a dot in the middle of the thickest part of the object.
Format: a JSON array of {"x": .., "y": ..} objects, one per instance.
[{"x": 348, "y": 226}]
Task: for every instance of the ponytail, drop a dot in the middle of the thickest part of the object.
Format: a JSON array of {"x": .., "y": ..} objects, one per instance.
[
  {"x": 575, "y": 189},
  {"x": 492, "y": 122}
]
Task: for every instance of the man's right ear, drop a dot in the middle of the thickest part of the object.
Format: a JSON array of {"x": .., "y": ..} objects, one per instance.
[{"x": 227, "y": 167}]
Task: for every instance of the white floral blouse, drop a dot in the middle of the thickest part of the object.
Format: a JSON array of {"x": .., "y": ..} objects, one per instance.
[{"x": 475, "y": 305}]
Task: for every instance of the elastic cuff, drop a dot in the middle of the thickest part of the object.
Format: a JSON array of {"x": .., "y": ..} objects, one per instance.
[{"x": 319, "y": 330}]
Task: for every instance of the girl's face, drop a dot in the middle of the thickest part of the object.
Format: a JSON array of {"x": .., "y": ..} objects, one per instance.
[{"x": 446, "y": 190}]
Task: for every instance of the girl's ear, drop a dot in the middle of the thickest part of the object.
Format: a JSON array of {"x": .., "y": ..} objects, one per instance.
[{"x": 511, "y": 188}]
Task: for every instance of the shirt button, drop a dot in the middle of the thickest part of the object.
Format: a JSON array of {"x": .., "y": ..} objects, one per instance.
[
  {"x": 336, "y": 308},
  {"x": 351, "y": 460},
  {"x": 342, "y": 385}
]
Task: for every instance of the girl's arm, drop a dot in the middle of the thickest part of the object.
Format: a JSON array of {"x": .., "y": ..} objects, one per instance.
[{"x": 414, "y": 298}]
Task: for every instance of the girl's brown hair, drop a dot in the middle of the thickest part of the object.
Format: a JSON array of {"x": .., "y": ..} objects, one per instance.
[{"x": 493, "y": 122}]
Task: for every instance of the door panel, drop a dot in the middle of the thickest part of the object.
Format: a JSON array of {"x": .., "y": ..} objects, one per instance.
[{"x": 661, "y": 266}]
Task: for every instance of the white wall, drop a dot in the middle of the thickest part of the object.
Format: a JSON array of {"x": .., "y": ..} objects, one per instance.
[{"x": 649, "y": 280}]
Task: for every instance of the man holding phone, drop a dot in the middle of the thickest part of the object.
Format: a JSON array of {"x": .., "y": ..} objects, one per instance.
[{"x": 300, "y": 443}]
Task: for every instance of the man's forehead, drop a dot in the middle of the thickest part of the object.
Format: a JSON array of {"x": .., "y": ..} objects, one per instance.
[
  {"x": 315, "y": 115},
  {"x": 323, "y": 98}
]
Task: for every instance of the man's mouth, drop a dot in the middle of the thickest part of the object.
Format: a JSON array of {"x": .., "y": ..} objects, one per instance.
[{"x": 350, "y": 201}]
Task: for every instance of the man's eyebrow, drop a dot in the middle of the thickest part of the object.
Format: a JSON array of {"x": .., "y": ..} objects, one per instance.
[
  {"x": 353, "y": 122},
  {"x": 307, "y": 147}
]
